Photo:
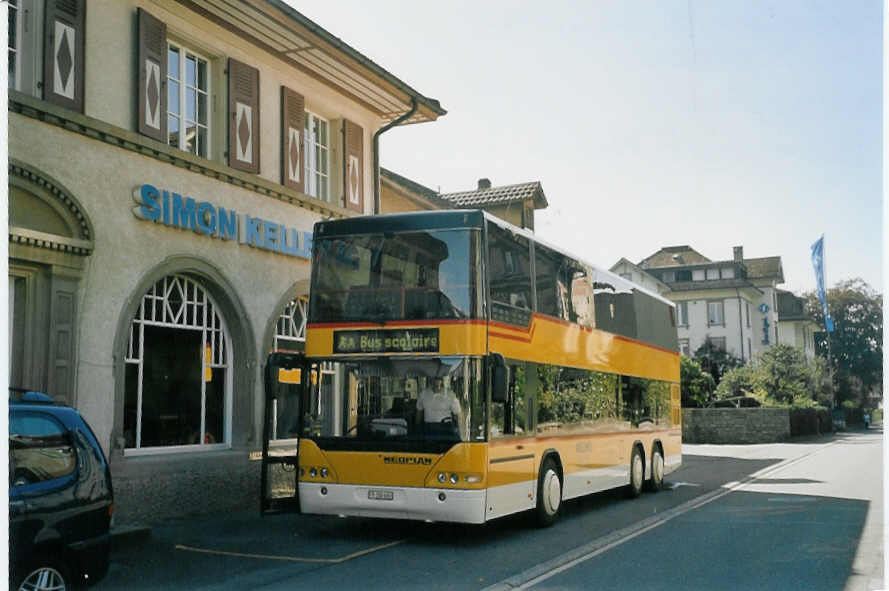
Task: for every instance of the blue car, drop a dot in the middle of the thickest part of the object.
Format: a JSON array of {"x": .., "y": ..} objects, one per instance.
[{"x": 60, "y": 497}]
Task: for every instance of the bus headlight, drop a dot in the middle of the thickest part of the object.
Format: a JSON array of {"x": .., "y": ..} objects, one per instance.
[
  {"x": 455, "y": 478},
  {"x": 324, "y": 472},
  {"x": 473, "y": 478},
  {"x": 313, "y": 472},
  {"x": 442, "y": 477}
]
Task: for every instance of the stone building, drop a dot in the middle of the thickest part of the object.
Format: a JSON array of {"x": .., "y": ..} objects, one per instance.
[{"x": 167, "y": 161}]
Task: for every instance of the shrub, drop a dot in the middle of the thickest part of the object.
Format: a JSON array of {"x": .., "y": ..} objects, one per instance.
[{"x": 696, "y": 385}]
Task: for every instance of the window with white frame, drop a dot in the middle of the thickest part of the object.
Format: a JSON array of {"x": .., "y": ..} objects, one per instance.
[
  {"x": 317, "y": 151},
  {"x": 669, "y": 276},
  {"x": 716, "y": 313},
  {"x": 712, "y": 273},
  {"x": 728, "y": 273},
  {"x": 684, "y": 347},
  {"x": 177, "y": 384},
  {"x": 698, "y": 275},
  {"x": 682, "y": 314},
  {"x": 14, "y": 35},
  {"x": 188, "y": 100},
  {"x": 290, "y": 330},
  {"x": 25, "y": 47}
]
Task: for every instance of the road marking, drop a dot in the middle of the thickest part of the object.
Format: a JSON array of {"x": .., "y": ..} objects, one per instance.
[
  {"x": 338, "y": 560},
  {"x": 550, "y": 568},
  {"x": 675, "y": 485}
]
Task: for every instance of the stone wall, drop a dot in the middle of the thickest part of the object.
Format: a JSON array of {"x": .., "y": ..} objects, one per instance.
[{"x": 735, "y": 425}]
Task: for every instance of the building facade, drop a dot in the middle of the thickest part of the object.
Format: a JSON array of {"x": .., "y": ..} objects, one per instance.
[
  {"x": 732, "y": 304},
  {"x": 167, "y": 161},
  {"x": 795, "y": 326}
]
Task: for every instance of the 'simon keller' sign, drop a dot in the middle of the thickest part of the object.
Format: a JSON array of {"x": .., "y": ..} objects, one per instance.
[
  {"x": 419, "y": 340},
  {"x": 205, "y": 218}
]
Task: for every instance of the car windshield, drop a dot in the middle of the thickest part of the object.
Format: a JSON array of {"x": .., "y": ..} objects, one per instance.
[
  {"x": 405, "y": 400},
  {"x": 404, "y": 276}
]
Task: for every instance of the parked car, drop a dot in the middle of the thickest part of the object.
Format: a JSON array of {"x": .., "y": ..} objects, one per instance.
[{"x": 60, "y": 497}]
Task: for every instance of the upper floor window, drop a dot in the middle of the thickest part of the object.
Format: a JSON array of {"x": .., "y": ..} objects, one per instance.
[
  {"x": 712, "y": 273},
  {"x": 728, "y": 273},
  {"x": 715, "y": 313},
  {"x": 317, "y": 150},
  {"x": 698, "y": 275},
  {"x": 669, "y": 276},
  {"x": 188, "y": 88},
  {"x": 682, "y": 314},
  {"x": 25, "y": 50},
  {"x": 14, "y": 37}
]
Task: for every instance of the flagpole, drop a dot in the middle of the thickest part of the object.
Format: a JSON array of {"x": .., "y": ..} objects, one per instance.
[{"x": 826, "y": 314}]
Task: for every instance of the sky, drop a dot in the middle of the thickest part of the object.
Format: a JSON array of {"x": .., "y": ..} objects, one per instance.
[{"x": 649, "y": 124}]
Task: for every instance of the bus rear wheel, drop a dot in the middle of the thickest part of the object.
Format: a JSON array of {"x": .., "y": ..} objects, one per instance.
[
  {"x": 549, "y": 493},
  {"x": 637, "y": 474},
  {"x": 656, "y": 482}
]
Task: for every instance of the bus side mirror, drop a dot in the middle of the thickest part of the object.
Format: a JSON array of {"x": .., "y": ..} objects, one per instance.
[{"x": 498, "y": 378}]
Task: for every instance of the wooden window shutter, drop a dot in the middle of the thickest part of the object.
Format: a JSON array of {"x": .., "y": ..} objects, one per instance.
[
  {"x": 353, "y": 178},
  {"x": 152, "y": 77},
  {"x": 63, "y": 53},
  {"x": 292, "y": 124},
  {"x": 243, "y": 116}
]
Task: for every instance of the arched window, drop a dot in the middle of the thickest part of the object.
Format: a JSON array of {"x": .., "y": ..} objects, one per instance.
[
  {"x": 178, "y": 378},
  {"x": 290, "y": 330}
]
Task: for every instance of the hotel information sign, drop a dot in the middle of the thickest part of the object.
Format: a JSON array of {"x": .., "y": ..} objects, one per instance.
[{"x": 417, "y": 340}]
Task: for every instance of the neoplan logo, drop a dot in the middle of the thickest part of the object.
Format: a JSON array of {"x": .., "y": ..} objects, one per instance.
[{"x": 407, "y": 460}]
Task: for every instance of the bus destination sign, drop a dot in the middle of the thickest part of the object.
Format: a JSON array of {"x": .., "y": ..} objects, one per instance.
[{"x": 416, "y": 340}]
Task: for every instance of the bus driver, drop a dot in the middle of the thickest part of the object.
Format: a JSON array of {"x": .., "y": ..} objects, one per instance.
[{"x": 439, "y": 409}]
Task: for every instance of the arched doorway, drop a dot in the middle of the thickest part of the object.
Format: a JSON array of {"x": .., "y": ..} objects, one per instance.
[{"x": 178, "y": 378}]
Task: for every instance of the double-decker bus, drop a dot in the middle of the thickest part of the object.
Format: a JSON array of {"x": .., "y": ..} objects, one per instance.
[{"x": 457, "y": 368}]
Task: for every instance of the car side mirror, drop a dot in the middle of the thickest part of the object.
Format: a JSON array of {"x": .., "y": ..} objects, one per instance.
[{"x": 499, "y": 378}]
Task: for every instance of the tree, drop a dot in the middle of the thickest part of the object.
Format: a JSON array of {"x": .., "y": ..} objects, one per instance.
[
  {"x": 856, "y": 350},
  {"x": 716, "y": 361},
  {"x": 778, "y": 376},
  {"x": 696, "y": 385},
  {"x": 782, "y": 372}
]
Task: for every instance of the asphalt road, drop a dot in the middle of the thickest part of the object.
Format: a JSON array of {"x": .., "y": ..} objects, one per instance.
[{"x": 803, "y": 515}]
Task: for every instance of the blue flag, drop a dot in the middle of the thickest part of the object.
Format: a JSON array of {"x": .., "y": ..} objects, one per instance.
[{"x": 818, "y": 263}]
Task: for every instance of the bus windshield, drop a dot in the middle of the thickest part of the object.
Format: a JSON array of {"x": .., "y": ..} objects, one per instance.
[
  {"x": 405, "y": 276},
  {"x": 403, "y": 401}
]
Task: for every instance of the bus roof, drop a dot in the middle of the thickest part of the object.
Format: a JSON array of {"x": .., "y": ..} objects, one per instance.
[
  {"x": 460, "y": 218},
  {"x": 402, "y": 222}
]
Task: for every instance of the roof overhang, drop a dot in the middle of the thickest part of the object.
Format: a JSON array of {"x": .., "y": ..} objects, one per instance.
[{"x": 281, "y": 31}]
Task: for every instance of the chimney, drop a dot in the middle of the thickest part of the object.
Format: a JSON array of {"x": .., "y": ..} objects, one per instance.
[
  {"x": 739, "y": 254},
  {"x": 484, "y": 184}
]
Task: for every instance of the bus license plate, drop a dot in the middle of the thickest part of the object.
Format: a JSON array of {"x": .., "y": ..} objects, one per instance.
[{"x": 380, "y": 495}]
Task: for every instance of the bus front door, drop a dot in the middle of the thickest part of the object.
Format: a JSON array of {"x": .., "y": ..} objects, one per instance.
[{"x": 286, "y": 375}]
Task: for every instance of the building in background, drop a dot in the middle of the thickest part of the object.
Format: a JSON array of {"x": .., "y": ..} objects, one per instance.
[
  {"x": 515, "y": 204},
  {"x": 795, "y": 326},
  {"x": 732, "y": 303},
  {"x": 167, "y": 161},
  {"x": 400, "y": 194}
]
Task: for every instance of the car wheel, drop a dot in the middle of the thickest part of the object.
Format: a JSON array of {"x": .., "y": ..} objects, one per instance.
[
  {"x": 549, "y": 493},
  {"x": 45, "y": 575},
  {"x": 637, "y": 474},
  {"x": 656, "y": 482}
]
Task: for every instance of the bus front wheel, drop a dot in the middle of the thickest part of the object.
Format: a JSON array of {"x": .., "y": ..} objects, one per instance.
[
  {"x": 637, "y": 473},
  {"x": 549, "y": 493}
]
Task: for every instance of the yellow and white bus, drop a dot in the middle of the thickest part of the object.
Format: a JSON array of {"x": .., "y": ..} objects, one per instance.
[{"x": 459, "y": 369}]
